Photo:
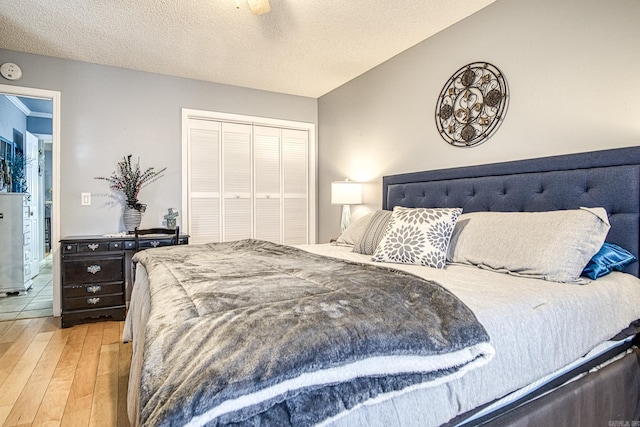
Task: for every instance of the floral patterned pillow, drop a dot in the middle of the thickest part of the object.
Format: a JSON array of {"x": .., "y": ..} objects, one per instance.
[{"x": 417, "y": 236}]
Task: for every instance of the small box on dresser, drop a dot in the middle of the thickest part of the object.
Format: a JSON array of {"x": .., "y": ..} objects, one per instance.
[{"x": 93, "y": 280}]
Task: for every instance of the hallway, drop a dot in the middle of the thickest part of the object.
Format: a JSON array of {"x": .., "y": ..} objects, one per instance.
[{"x": 37, "y": 302}]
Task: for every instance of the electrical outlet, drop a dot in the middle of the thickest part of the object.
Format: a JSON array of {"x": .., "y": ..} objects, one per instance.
[{"x": 85, "y": 199}]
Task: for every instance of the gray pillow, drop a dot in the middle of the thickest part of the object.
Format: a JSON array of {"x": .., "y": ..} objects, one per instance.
[
  {"x": 373, "y": 233},
  {"x": 354, "y": 231},
  {"x": 554, "y": 245}
]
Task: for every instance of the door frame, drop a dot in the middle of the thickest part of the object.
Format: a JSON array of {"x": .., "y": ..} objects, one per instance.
[{"x": 54, "y": 96}]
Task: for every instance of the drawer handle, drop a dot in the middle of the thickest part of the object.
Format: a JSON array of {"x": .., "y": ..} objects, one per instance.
[
  {"x": 69, "y": 247},
  {"x": 155, "y": 243},
  {"x": 94, "y": 289},
  {"x": 93, "y": 269},
  {"x": 93, "y": 246},
  {"x": 93, "y": 301}
]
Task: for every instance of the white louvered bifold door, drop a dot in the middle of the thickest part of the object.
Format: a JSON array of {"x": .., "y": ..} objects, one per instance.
[
  {"x": 204, "y": 181},
  {"x": 295, "y": 163},
  {"x": 236, "y": 165},
  {"x": 247, "y": 180},
  {"x": 267, "y": 184}
]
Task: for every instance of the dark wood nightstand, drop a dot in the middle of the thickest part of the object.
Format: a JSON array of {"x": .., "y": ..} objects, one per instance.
[{"x": 95, "y": 274}]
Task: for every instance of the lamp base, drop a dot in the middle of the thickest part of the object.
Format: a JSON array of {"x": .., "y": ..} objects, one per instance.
[{"x": 346, "y": 218}]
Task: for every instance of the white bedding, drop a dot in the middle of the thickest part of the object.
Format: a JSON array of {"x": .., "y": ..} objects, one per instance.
[{"x": 536, "y": 327}]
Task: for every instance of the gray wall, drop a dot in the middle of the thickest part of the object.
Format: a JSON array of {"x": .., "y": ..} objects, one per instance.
[
  {"x": 110, "y": 112},
  {"x": 572, "y": 67}
]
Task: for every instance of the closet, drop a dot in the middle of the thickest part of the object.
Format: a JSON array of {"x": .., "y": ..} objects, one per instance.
[{"x": 247, "y": 180}]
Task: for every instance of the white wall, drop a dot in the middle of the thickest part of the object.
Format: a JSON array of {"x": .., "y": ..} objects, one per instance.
[
  {"x": 108, "y": 113},
  {"x": 572, "y": 66}
]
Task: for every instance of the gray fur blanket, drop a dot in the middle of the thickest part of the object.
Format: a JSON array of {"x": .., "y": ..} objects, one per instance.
[{"x": 254, "y": 333}]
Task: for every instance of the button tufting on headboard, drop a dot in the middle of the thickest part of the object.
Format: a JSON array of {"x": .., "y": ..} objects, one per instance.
[{"x": 609, "y": 178}]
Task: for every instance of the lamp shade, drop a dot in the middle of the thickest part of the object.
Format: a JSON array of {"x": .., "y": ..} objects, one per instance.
[{"x": 346, "y": 193}]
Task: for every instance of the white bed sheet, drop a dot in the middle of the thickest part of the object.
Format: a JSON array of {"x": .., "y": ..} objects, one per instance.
[{"x": 536, "y": 328}]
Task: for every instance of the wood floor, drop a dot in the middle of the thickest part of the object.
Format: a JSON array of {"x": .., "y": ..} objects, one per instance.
[{"x": 71, "y": 377}]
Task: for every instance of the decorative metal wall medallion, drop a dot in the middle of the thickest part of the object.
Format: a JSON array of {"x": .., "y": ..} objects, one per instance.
[{"x": 472, "y": 104}]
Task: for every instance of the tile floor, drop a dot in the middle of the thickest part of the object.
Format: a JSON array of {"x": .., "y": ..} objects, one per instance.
[{"x": 37, "y": 302}]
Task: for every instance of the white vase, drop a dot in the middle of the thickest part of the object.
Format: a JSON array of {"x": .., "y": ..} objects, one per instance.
[{"x": 131, "y": 218}]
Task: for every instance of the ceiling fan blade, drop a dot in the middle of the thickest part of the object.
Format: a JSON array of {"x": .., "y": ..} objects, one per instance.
[{"x": 258, "y": 7}]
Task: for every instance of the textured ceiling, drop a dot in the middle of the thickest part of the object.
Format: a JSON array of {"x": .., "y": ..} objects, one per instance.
[{"x": 303, "y": 47}]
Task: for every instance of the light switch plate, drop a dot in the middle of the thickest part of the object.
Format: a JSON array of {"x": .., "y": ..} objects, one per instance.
[{"x": 85, "y": 199}]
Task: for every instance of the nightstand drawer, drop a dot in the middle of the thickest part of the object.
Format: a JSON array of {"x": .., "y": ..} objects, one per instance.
[
  {"x": 93, "y": 270},
  {"x": 95, "y": 289},
  {"x": 81, "y": 303}
]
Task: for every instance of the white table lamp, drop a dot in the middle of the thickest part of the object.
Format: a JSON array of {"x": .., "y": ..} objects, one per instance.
[{"x": 346, "y": 193}]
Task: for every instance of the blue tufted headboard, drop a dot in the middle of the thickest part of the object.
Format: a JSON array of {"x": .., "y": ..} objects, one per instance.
[{"x": 608, "y": 178}]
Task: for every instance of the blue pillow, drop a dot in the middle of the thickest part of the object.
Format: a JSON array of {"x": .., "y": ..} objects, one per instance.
[{"x": 610, "y": 257}]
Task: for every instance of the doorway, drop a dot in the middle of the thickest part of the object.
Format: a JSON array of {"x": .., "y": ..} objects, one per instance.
[{"x": 32, "y": 117}]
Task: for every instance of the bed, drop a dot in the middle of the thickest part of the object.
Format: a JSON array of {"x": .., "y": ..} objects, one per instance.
[{"x": 523, "y": 346}]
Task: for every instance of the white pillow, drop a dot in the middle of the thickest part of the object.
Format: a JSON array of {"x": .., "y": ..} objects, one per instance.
[
  {"x": 417, "y": 236},
  {"x": 554, "y": 245}
]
